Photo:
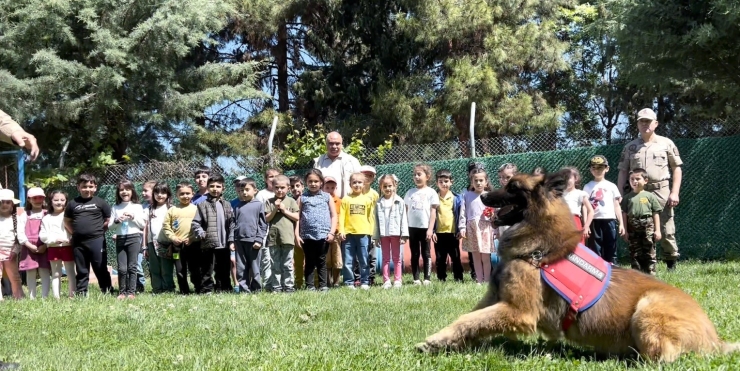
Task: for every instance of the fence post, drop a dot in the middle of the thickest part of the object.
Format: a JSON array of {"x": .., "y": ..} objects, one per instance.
[
  {"x": 269, "y": 140},
  {"x": 472, "y": 130},
  {"x": 21, "y": 177}
]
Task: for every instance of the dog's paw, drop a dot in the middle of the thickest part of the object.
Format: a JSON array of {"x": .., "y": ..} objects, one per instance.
[{"x": 439, "y": 342}]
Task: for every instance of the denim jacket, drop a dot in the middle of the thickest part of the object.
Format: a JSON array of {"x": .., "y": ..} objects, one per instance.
[
  {"x": 395, "y": 223},
  {"x": 456, "y": 203}
]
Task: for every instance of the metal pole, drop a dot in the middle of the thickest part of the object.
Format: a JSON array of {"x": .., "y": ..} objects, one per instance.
[
  {"x": 272, "y": 134},
  {"x": 21, "y": 177},
  {"x": 472, "y": 130}
]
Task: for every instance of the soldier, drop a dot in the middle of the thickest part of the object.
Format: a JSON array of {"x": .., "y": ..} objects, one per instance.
[{"x": 659, "y": 157}]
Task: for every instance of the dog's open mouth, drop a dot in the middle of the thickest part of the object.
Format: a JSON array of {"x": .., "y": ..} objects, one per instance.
[
  {"x": 505, "y": 210},
  {"x": 508, "y": 215}
]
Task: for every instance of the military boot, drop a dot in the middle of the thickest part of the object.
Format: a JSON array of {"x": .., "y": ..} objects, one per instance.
[{"x": 671, "y": 264}]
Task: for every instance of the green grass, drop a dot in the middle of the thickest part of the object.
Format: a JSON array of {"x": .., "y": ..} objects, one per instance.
[{"x": 338, "y": 330}]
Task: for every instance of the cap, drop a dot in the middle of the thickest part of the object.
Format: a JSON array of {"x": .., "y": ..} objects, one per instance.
[
  {"x": 8, "y": 195},
  {"x": 367, "y": 169},
  {"x": 646, "y": 113},
  {"x": 240, "y": 178},
  {"x": 598, "y": 160},
  {"x": 36, "y": 191},
  {"x": 328, "y": 179}
]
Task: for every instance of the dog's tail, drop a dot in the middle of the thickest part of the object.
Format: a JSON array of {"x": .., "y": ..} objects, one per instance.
[{"x": 730, "y": 348}]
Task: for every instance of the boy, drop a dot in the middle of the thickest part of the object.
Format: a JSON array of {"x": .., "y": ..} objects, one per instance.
[
  {"x": 445, "y": 240},
  {"x": 282, "y": 213},
  {"x": 213, "y": 224},
  {"x": 176, "y": 227},
  {"x": 201, "y": 181},
  {"x": 238, "y": 188},
  {"x": 234, "y": 203},
  {"x": 641, "y": 211},
  {"x": 372, "y": 252},
  {"x": 299, "y": 259},
  {"x": 251, "y": 228},
  {"x": 146, "y": 195},
  {"x": 268, "y": 192},
  {"x": 87, "y": 217},
  {"x": 334, "y": 258},
  {"x": 604, "y": 197}
]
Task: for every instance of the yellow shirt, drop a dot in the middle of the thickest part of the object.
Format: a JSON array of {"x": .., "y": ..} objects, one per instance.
[
  {"x": 355, "y": 215},
  {"x": 178, "y": 220},
  {"x": 445, "y": 215},
  {"x": 374, "y": 196}
]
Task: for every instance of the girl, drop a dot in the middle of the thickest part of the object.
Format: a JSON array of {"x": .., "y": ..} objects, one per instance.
[
  {"x": 391, "y": 228},
  {"x": 161, "y": 265},
  {"x": 56, "y": 236},
  {"x": 34, "y": 258},
  {"x": 12, "y": 238},
  {"x": 505, "y": 173},
  {"x": 299, "y": 260},
  {"x": 476, "y": 227},
  {"x": 315, "y": 226},
  {"x": 355, "y": 226},
  {"x": 577, "y": 200},
  {"x": 127, "y": 223},
  {"x": 421, "y": 203},
  {"x": 176, "y": 228}
]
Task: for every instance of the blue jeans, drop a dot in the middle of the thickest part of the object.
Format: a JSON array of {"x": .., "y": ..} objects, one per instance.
[
  {"x": 356, "y": 246},
  {"x": 141, "y": 281}
]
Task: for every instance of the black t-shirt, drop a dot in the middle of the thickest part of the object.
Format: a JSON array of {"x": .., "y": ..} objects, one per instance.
[{"x": 88, "y": 215}]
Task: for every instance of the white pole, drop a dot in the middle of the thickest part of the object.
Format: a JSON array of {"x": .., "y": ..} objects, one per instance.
[
  {"x": 272, "y": 134},
  {"x": 472, "y": 130}
]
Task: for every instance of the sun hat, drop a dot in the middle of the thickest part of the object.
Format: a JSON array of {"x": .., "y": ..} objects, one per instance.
[
  {"x": 36, "y": 191},
  {"x": 8, "y": 195}
]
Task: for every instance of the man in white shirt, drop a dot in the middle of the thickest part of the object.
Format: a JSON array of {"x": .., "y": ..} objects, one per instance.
[{"x": 337, "y": 163}]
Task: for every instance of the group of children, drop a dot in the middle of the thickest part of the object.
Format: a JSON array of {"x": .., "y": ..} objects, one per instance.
[{"x": 295, "y": 232}]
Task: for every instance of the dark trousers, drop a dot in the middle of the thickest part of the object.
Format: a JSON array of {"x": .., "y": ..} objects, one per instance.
[
  {"x": 181, "y": 268},
  {"x": 603, "y": 239},
  {"x": 91, "y": 253},
  {"x": 248, "y": 267},
  {"x": 315, "y": 252},
  {"x": 420, "y": 248},
  {"x": 205, "y": 263},
  {"x": 472, "y": 266},
  {"x": 448, "y": 245},
  {"x": 222, "y": 270},
  {"x": 127, "y": 250},
  {"x": 372, "y": 261}
]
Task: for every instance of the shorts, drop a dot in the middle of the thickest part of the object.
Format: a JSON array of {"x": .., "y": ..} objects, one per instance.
[
  {"x": 63, "y": 253},
  {"x": 233, "y": 255},
  {"x": 334, "y": 257}
]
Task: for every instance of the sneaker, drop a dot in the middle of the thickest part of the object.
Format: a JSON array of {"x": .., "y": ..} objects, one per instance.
[
  {"x": 236, "y": 289},
  {"x": 427, "y": 282},
  {"x": 417, "y": 282},
  {"x": 324, "y": 289},
  {"x": 387, "y": 285},
  {"x": 351, "y": 287},
  {"x": 357, "y": 283},
  {"x": 365, "y": 287},
  {"x": 121, "y": 297},
  {"x": 130, "y": 296},
  {"x": 311, "y": 289},
  {"x": 397, "y": 284}
]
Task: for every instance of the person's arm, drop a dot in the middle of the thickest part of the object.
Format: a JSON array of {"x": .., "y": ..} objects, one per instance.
[
  {"x": 167, "y": 228},
  {"x": 462, "y": 219},
  {"x": 432, "y": 221},
  {"x": 404, "y": 224},
  {"x": 273, "y": 210},
  {"x": 297, "y": 231},
  {"x": 618, "y": 212},
  {"x": 12, "y": 133},
  {"x": 139, "y": 218},
  {"x": 656, "y": 224},
  {"x": 44, "y": 231},
  {"x": 113, "y": 223},
  {"x": 196, "y": 227},
  {"x": 626, "y": 235},
  {"x": 290, "y": 212},
  {"x": 262, "y": 230},
  {"x": 675, "y": 187},
  {"x": 334, "y": 220},
  {"x": 588, "y": 215},
  {"x": 341, "y": 222},
  {"x": 106, "y": 209},
  {"x": 68, "y": 225}
]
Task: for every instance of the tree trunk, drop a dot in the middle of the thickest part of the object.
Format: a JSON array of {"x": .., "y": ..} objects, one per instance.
[
  {"x": 463, "y": 134},
  {"x": 281, "y": 59}
]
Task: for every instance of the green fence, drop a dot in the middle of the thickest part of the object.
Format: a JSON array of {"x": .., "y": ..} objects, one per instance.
[{"x": 705, "y": 217}]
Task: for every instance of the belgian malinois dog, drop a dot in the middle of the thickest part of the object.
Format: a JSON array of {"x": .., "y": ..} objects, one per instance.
[{"x": 635, "y": 313}]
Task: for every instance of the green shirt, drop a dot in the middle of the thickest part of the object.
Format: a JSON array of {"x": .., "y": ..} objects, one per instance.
[
  {"x": 282, "y": 229},
  {"x": 641, "y": 204}
]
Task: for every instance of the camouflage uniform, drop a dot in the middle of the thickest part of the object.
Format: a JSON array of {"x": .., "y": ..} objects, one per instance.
[{"x": 639, "y": 209}]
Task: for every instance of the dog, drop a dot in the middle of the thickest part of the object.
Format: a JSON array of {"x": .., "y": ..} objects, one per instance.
[{"x": 635, "y": 312}]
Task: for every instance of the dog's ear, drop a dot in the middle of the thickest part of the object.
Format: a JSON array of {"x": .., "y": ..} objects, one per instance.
[{"x": 556, "y": 183}]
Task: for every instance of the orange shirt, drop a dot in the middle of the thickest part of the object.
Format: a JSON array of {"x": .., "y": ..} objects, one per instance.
[{"x": 337, "y": 204}]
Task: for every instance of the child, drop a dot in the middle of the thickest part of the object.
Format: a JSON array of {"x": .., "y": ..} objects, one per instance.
[
  {"x": 334, "y": 261},
  {"x": 475, "y": 227},
  {"x": 315, "y": 227},
  {"x": 505, "y": 173},
  {"x": 539, "y": 170},
  {"x": 127, "y": 223},
  {"x": 641, "y": 210},
  {"x": 421, "y": 203},
  {"x": 269, "y": 191},
  {"x": 201, "y": 181},
  {"x": 604, "y": 197},
  {"x": 372, "y": 252},
  {"x": 577, "y": 200},
  {"x": 391, "y": 229},
  {"x": 251, "y": 228},
  {"x": 355, "y": 222},
  {"x": 146, "y": 194},
  {"x": 214, "y": 226},
  {"x": 234, "y": 204},
  {"x": 57, "y": 239},
  {"x": 299, "y": 260},
  {"x": 87, "y": 217},
  {"x": 176, "y": 228},
  {"x": 445, "y": 239},
  {"x": 159, "y": 254},
  {"x": 34, "y": 260},
  {"x": 238, "y": 188},
  {"x": 282, "y": 213},
  {"x": 12, "y": 239}
]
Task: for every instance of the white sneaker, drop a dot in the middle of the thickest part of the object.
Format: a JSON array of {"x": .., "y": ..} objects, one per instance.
[
  {"x": 365, "y": 287},
  {"x": 417, "y": 282},
  {"x": 387, "y": 285},
  {"x": 351, "y": 287},
  {"x": 427, "y": 282},
  {"x": 397, "y": 284}
]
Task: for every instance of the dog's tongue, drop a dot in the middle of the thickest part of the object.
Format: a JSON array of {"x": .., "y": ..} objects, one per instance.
[{"x": 505, "y": 210}]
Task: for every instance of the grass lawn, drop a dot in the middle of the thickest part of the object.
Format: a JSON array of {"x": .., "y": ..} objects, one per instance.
[{"x": 338, "y": 330}]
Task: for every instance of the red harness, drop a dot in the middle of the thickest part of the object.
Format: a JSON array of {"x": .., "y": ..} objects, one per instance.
[{"x": 581, "y": 278}]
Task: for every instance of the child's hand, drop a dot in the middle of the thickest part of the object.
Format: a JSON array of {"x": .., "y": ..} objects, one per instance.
[
  {"x": 257, "y": 246},
  {"x": 41, "y": 249},
  {"x": 32, "y": 248},
  {"x": 434, "y": 238},
  {"x": 186, "y": 241},
  {"x": 330, "y": 237},
  {"x": 403, "y": 240},
  {"x": 341, "y": 237},
  {"x": 298, "y": 241},
  {"x": 13, "y": 257},
  {"x": 586, "y": 233},
  {"x": 146, "y": 254},
  {"x": 657, "y": 235},
  {"x": 622, "y": 231},
  {"x": 176, "y": 240},
  {"x": 461, "y": 235},
  {"x": 430, "y": 234},
  {"x": 231, "y": 246}
]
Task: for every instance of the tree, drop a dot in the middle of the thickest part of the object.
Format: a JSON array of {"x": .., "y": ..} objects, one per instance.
[{"x": 130, "y": 78}]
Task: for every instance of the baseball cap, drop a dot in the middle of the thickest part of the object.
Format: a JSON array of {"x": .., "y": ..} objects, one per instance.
[
  {"x": 646, "y": 113},
  {"x": 328, "y": 179},
  {"x": 240, "y": 178},
  {"x": 598, "y": 160},
  {"x": 367, "y": 169},
  {"x": 36, "y": 191},
  {"x": 8, "y": 195}
]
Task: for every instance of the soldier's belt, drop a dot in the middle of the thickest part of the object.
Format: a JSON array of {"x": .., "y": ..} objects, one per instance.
[
  {"x": 656, "y": 185},
  {"x": 644, "y": 217}
]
